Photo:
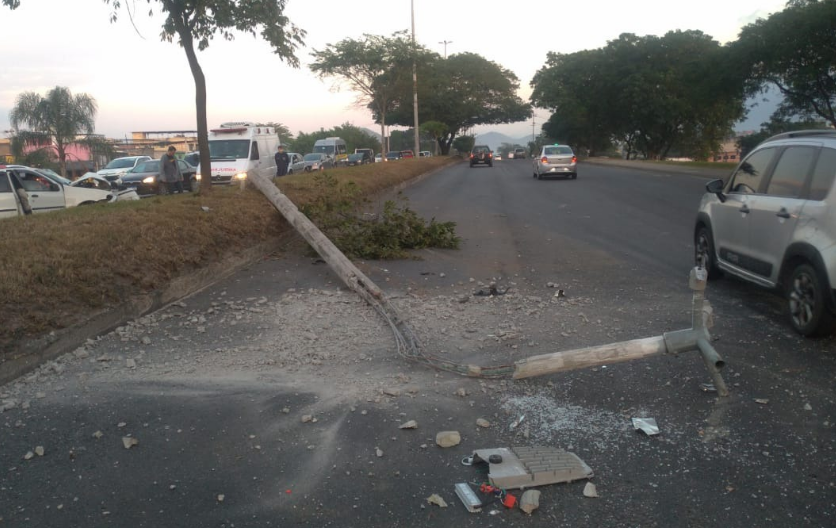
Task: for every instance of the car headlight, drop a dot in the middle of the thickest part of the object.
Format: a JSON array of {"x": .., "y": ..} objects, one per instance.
[
  {"x": 241, "y": 176},
  {"x": 149, "y": 179}
]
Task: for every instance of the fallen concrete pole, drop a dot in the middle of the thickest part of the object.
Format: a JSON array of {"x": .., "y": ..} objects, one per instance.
[{"x": 696, "y": 338}]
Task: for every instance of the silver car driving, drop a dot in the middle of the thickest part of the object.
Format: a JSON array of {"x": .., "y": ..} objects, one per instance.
[{"x": 556, "y": 160}]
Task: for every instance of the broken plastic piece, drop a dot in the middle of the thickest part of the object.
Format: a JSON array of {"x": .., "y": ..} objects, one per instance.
[
  {"x": 516, "y": 423},
  {"x": 708, "y": 387},
  {"x": 647, "y": 425}
]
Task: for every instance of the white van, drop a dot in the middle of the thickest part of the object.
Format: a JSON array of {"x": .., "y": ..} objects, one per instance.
[
  {"x": 334, "y": 148},
  {"x": 242, "y": 148}
]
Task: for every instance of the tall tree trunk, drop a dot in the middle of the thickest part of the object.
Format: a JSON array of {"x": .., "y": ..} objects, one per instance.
[
  {"x": 200, "y": 108},
  {"x": 62, "y": 157},
  {"x": 383, "y": 148}
]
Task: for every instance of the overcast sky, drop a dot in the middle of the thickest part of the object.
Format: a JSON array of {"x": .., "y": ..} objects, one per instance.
[{"x": 141, "y": 83}]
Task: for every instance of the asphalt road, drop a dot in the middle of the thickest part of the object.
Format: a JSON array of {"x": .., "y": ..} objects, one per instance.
[{"x": 219, "y": 386}]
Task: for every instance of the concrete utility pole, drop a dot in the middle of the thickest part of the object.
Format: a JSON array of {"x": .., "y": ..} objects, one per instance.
[
  {"x": 415, "y": 85},
  {"x": 445, "y": 42}
]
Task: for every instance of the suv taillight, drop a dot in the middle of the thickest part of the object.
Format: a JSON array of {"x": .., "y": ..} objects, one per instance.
[
  {"x": 544, "y": 160},
  {"x": 471, "y": 155},
  {"x": 574, "y": 159}
]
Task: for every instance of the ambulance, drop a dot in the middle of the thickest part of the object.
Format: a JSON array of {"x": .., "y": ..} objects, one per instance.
[{"x": 242, "y": 148}]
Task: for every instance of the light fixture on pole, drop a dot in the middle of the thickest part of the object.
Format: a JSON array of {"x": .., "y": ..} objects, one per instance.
[{"x": 445, "y": 42}]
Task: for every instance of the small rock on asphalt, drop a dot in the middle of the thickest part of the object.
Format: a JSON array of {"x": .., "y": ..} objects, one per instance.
[
  {"x": 436, "y": 499},
  {"x": 98, "y": 434},
  {"x": 461, "y": 392},
  {"x": 146, "y": 340},
  {"x": 808, "y": 407},
  {"x": 590, "y": 491},
  {"x": 129, "y": 442},
  {"x": 481, "y": 422},
  {"x": 130, "y": 363},
  {"x": 39, "y": 450},
  {"x": 378, "y": 452},
  {"x": 28, "y": 455},
  {"x": 307, "y": 418},
  {"x": 221, "y": 497},
  {"x": 448, "y": 438},
  {"x": 389, "y": 391},
  {"x": 412, "y": 424},
  {"x": 530, "y": 501}
]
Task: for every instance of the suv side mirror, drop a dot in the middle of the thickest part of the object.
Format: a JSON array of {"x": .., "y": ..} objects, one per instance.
[{"x": 716, "y": 187}]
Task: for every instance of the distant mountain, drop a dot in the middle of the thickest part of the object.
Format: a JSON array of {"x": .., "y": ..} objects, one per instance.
[{"x": 495, "y": 140}]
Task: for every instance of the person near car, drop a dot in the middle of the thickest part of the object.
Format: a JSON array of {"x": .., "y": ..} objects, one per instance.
[
  {"x": 282, "y": 161},
  {"x": 171, "y": 179}
]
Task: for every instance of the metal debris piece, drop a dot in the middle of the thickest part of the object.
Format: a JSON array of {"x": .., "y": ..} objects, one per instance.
[
  {"x": 708, "y": 387},
  {"x": 468, "y": 497},
  {"x": 412, "y": 424},
  {"x": 436, "y": 499},
  {"x": 762, "y": 401},
  {"x": 590, "y": 491},
  {"x": 647, "y": 425},
  {"x": 516, "y": 423}
]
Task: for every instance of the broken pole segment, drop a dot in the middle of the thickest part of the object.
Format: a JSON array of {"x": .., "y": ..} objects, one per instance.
[{"x": 589, "y": 357}]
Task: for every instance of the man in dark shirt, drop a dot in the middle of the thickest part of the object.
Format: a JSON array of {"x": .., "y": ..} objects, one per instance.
[{"x": 282, "y": 162}]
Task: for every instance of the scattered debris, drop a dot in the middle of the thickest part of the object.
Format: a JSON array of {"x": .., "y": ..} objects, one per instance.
[
  {"x": 647, "y": 425},
  {"x": 762, "y": 401},
  {"x": 146, "y": 340},
  {"x": 129, "y": 442},
  {"x": 808, "y": 407},
  {"x": 28, "y": 455},
  {"x": 491, "y": 291},
  {"x": 530, "y": 501},
  {"x": 481, "y": 422},
  {"x": 590, "y": 490},
  {"x": 708, "y": 387},
  {"x": 516, "y": 423},
  {"x": 412, "y": 424},
  {"x": 468, "y": 497},
  {"x": 39, "y": 450},
  {"x": 378, "y": 452},
  {"x": 130, "y": 363},
  {"x": 204, "y": 208},
  {"x": 98, "y": 434},
  {"x": 448, "y": 438},
  {"x": 461, "y": 392},
  {"x": 390, "y": 391},
  {"x": 527, "y": 467},
  {"x": 437, "y": 500},
  {"x": 307, "y": 418},
  {"x": 221, "y": 497}
]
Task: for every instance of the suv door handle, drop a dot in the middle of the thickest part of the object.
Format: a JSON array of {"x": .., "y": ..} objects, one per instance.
[
  {"x": 33, "y": 195},
  {"x": 783, "y": 213},
  {"x": 744, "y": 209}
]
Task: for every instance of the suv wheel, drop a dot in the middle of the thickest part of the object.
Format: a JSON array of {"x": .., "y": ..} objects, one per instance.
[
  {"x": 704, "y": 252},
  {"x": 807, "y": 302}
]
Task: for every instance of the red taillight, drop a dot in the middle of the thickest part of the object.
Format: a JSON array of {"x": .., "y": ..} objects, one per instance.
[
  {"x": 544, "y": 160},
  {"x": 471, "y": 155},
  {"x": 490, "y": 155},
  {"x": 574, "y": 159}
]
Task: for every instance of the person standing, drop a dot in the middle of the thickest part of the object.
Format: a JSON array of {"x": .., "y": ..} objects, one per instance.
[
  {"x": 282, "y": 162},
  {"x": 171, "y": 179}
]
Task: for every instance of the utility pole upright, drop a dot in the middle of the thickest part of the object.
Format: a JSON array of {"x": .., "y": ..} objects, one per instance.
[{"x": 415, "y": 85}]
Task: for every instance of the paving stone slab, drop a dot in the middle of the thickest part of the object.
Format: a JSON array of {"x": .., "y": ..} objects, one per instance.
[{"x": 526, "y": 467}]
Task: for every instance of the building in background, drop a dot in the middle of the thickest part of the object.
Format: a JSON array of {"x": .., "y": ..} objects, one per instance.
[{"x": 155, "y": 143}]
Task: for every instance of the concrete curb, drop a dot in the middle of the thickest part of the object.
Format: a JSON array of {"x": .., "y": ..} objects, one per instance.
[
  {"x": 29, "y": 355},
  {"x": 700, "y": 172}
]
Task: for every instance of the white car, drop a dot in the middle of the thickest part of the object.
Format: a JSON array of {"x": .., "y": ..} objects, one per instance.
[
  {"x": 43, "y": 193},
  {"x": 555, "y": 160},
  {"x": 117, "y": 168}
]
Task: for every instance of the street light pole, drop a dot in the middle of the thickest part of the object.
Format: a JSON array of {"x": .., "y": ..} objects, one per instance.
[
  {"x": 415, "y": 85},
  {"x": 445, "y": 42}
]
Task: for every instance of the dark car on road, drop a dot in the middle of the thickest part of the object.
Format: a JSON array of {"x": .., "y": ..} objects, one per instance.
[
  {"x": 358, "y": 158},
  {"x": 393, "y": 156},
  {"x": 481, "y": 154},
  {"x": 145, "y": 177}
]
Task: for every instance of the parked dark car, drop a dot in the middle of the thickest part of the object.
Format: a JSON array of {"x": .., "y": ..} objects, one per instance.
[
  {"x": 145, "y": 177},
  {"x": 481, "y": 154},
  {"x": 393, "y": 156},
  {"x": 358, "y": 158}
]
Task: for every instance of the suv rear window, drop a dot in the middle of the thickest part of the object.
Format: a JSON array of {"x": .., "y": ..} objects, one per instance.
[
  {"x": 823, "y": 174},
  {"x": 747, "y": 179}
]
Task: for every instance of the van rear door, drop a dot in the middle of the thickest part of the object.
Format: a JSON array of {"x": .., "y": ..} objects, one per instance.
[{"x": 8, "y": 202}]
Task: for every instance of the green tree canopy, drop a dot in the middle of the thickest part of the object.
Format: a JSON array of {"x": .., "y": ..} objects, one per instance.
[
  {"x": 373, "y": 67},
  {"x": 651, "y": 93},
  {"x": 194, "y": 23},
  {"x": 59, "y": 118},
  {"x": 795, "y": 50},
  {"x": 461, "y": 91},
  {"x": 355, "y": 137}
]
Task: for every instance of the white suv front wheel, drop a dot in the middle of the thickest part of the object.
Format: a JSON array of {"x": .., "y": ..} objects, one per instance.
[{"x": 807, "y": 302}]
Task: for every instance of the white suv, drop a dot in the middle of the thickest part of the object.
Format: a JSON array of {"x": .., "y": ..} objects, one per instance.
[{"x": 774, "y": 224}]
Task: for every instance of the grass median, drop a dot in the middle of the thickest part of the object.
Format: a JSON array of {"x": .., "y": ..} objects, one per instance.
[{"x": 57, "y": 269}]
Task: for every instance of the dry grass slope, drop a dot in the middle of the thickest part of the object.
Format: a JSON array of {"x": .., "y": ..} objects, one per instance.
[{"x": 57, "y": 268}]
